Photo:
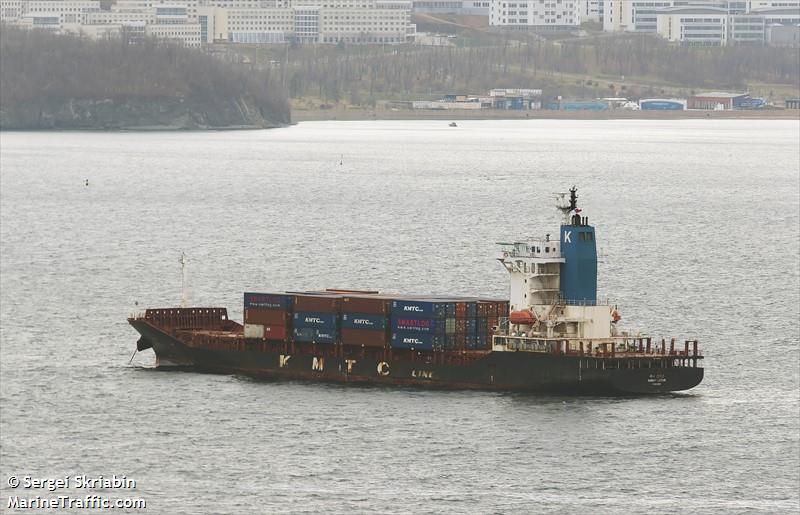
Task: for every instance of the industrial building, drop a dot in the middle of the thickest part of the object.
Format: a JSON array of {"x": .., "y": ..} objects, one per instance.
[
  {"x": 518, "y": 99},
  {"x": 718, "y": 101}
]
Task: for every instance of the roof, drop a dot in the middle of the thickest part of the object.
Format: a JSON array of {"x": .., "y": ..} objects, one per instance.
[
  {"x": 777, "y": 10},
  {"x": 720, "y": 94},
  {"x": 691, "y": 10}
]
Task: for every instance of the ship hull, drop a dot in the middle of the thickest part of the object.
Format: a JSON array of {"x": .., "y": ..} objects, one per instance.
[{"x": 515, "y": 371}]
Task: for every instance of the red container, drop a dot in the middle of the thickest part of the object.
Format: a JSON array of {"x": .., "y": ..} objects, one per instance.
[
  {"x": 360, "y": 337},
  {"x": 276, "y": 332},
  {"x": 366, "y": 305},
  {"x": 461, "y": 310},
  {"x": 482, "y": 309},
  {"x": 317, "y": 303},
  {"x": 461, "y": 326},
  {"x": 266, "y": 316},
  {"x": 461, "y": 341}
]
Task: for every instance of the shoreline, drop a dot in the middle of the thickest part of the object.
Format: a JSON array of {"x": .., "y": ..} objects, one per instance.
[{"x": 318, "y": 115}]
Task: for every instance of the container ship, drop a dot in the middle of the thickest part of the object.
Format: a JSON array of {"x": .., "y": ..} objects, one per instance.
[{"x": 551, "y": 335}]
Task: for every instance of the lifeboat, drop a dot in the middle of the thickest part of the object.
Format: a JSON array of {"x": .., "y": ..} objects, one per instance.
[
  {"x": 523, "y": 317},
  {"x": 615, "y": 316}
]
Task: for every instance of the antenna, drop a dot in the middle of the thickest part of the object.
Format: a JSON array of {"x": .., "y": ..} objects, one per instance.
[
  {"x": 184, "y": 283},
  {"x": 567, "y": 206}
]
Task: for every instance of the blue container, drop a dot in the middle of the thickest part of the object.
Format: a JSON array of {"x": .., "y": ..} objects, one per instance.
[
  {"x": 416, "y": 341},
  {"x": 472, "y": 309},
  {"x": 268, "y": 301},
  {"x": 472, "y": 326},
  {"x": 450, "y": 310},
  {"x": 406, "y": 324},
  {"x": 310, "y": 335},
  {"x": 315, "y": 320},
  {"x": 363, "y": 321},
  {"x": 418, "y": 308},
  {"x": 450, "y": 342},
  {"x": 483, "y": 341},
  {"x": 661, "y": 105}
]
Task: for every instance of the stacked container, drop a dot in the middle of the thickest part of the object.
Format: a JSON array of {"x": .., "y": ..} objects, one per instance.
[
  {"x": 316, "y": 318},
  {"x": 370, "y": 320},
  {"x": 365, "y": 321},
  {"x": 267, "y": 316},
  {"x": 418, "y": 324}
]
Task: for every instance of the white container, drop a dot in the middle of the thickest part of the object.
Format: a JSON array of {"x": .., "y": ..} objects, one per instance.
[{"x": 253, "y": 331}]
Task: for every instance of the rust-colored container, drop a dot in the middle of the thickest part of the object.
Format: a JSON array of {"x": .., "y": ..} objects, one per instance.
[
  {"x": 366, "y": 305},
  {"x": 276, "y": 332},
  {"x": 482, "y": 310},
  {"x": 317, "y": 303},
  {"x": 361, "y": 337},
  {"x": 266, "y": 316},
  {"x": 461, "y": 325},
  {"x": 461, "y": 310}
]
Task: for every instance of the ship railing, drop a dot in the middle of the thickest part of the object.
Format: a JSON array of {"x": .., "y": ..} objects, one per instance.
[
  {"x": 598, "y": 302},
  {"x": 616, "y": 346},
  {"x": 184, "y": 318}
]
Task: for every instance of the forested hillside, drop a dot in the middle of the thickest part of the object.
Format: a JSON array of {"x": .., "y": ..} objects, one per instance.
[
  {"x": 53, "y": 81},
  {"x": 635, "y": 65}
]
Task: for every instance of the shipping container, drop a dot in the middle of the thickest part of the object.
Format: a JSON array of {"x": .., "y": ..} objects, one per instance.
[
  {"x": 414, "y": 325},
  {"x": 317, "y": 303},
  {"x": 450, "y": 326},
  {"x": 363, "y": 321},
  {"x": 253, "y": 331},
  {"x": 368, "y": 305},
  {"x": 276, "y": 332},
  {"x": 481, "y": 309},
  {"x": 268, "y": 301},
  {"x": 417, "y": 308},
  {"x": 363, "y": 338},
  {"x": 461, "y": 310},
  {"x": 472, "y": 309},
  {"x": 450, "y": 312},
  {"x": 311, "y": 335},
  {"x": 315, "y": 320},
  {"x": 461, "y": 325},
  {"x": 266, "y": 316},
  {"x": 416, "y": 341},
  {"x": 450, "y": 342}
]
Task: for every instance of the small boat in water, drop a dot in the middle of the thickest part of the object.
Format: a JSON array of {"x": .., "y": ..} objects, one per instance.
[{"x": 453, "y": 124}]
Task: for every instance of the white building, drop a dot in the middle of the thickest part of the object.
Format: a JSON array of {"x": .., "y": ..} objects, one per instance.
[
  {"x": 469, "y": 7},
  {"x": 11, "y": 9},
  {"x": 195, "y": 22},
  {"x": 187, "y": 34},
  {"x": 535, "y": 14},
  {"x": 592, "y": 10},
  {"x": 694, "y": 26}
]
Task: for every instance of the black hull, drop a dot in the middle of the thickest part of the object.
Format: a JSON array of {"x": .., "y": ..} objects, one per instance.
[{"x": 517, "y": 371}]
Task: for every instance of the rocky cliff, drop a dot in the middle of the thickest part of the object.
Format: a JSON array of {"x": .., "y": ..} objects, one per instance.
[
  {"x": 63, "y": 82},
  {"x": 136, "y": 114}
]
